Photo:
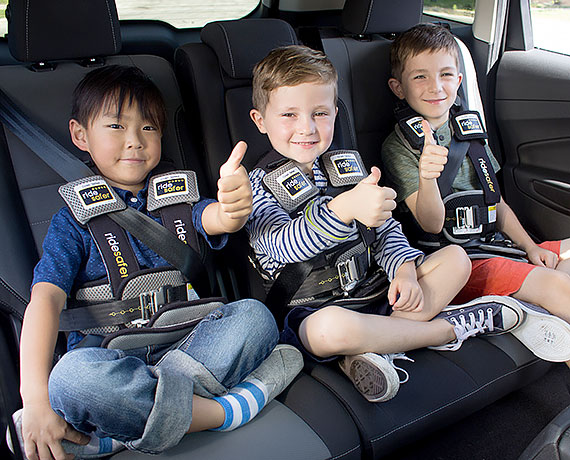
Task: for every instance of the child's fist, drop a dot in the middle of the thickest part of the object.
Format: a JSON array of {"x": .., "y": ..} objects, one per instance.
[{"x": 433, "y": 157}]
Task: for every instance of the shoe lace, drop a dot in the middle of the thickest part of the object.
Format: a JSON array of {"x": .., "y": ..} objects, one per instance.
[
  {"x": 464, "y": 327},
  {"x": 390, "y": 357}
]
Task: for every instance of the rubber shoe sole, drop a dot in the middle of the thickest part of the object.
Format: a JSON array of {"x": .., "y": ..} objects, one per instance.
[
  {"x": 546, "y": 335},
  {"x": 373, "y": 376}
]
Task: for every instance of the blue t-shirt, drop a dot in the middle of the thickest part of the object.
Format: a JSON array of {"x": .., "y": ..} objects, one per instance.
[{"x": 70, "y": 256}]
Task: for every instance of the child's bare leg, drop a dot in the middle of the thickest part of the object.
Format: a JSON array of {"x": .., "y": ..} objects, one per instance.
[
  {"x": 442, "y": 275},
  {"x": 206, "y": 414},
  {"x": 549, "y": 289},
  {"x": 339, "y": 331},
  {"x": 564, "y": 261}
]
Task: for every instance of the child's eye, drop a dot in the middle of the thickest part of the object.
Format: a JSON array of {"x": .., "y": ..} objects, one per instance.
[
  {"x": 419, "y": 77},
  {"x": 321, "y": 114},
  {"x": 149, "y": 128},
  {"x": 447, "y": 74},
  {"x": 288, "y": 114},
  {"x": 115, "y": 126}
]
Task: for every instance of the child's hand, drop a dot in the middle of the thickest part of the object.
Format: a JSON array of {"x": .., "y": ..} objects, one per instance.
[
  {"x": 43, "y": 430},
  {"x": 542, "y": 257},
  {"x": 405, "y": 293},
  {"x": 367, "y": 202},
  {"x": 234, "y": 188},
  {"x": 433, "y": 157}
]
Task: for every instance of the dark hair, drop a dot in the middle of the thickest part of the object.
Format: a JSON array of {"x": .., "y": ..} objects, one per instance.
[
  {"x": 420, "y": 38},
  {"x": 114, "y": 86},
  {"x": 290, "y": 66}
]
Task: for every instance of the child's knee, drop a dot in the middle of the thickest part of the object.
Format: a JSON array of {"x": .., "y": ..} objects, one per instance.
[
  {"x": 459, "y": 260},
  {"x": 329, "y": 330}
]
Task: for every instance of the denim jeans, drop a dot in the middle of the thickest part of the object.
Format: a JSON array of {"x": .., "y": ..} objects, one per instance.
[{"x": 143, "y": 397}]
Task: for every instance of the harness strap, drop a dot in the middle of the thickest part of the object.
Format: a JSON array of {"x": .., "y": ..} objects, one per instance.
[
  {"x": 85, "y": 315},
  {"x": 485, "y": 172},
  {"x": 457, "y": 152},
  {"x": 115, "y": 249}
]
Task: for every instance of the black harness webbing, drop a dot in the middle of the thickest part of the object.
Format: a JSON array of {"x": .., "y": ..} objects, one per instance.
[
  {"x": 485, "y": 172},
  {"x": 114, "y": 312},
  {"x": 457, "y": 152},
  {"x": 56, "y": 156},
  {"x": 117, "y": 253}
]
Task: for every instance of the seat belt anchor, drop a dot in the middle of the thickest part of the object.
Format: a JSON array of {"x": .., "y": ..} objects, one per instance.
[
  {"x": 149, "y": 303},
  {"x": 348, "y": 274}
]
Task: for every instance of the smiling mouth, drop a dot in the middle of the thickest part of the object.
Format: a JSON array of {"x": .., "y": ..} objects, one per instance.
[
  {"x": 434, "y": 101},
  {"x": 306, "y": 143}
]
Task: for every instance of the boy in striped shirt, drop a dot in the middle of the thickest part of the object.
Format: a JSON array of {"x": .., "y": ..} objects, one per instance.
[{"x": 294, "y": 99}]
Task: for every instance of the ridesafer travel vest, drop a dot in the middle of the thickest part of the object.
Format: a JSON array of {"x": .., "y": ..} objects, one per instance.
[
  {"x": 470, "y": 216},
  {"x": 135, "y": 307}
]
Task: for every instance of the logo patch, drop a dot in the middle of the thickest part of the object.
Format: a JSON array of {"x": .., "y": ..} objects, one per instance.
[
  {"x": 415, "y": 124},
  {"x": 346, "y": 165},
  {"x": 171, "y": 185},
  {"x": 294, "y": 182},
  {"x": 469, "y": 124},
  {"x": 94, "y": 193}
]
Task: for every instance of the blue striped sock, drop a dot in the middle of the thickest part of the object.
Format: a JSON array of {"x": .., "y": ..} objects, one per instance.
[{"x": 242, "y": 403}]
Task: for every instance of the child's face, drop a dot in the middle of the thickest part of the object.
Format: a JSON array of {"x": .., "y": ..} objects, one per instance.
[
  {"x": 429, "y": 84},
  {"x": 299, "y": 121},
  {"x": 124, "y": 149}
]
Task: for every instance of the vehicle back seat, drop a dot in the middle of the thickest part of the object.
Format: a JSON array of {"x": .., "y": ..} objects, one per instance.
[
  {"x": 58, "y": 43},
  {"x": 444, "y": 386}
]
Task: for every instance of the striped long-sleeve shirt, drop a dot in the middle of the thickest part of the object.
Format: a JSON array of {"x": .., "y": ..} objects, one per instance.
[{"x": 277, "y": 239}]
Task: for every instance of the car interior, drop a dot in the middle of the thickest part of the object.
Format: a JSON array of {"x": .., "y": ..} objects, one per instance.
[{"x": 492, "y": 398}]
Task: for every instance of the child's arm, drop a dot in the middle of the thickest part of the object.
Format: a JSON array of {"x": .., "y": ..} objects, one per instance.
[
  {"x": 367, "y": 202},
  {"x": 229, "y": 214},
  {"x": 42, "y": 428},
  {"x": 508, "y": 223},
  {"x": 426, "y": 204}
]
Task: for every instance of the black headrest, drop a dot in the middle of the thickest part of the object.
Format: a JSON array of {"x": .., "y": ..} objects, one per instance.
[
  {"x": 240, "y": 44},
  {"x": 364, "y": 17},
  {"x": 40, "y": 30}
]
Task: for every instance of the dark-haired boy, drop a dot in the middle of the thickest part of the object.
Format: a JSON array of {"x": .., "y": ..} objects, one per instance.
[{"x": 98, "y": 400}]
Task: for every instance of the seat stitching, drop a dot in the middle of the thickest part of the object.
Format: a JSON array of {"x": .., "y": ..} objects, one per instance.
[
  {"x": 368, "y": 16},
  {"x": 229, "y": 50},
  {"x": 112, "y": 26},
  {"x": 27, "y": 30}
]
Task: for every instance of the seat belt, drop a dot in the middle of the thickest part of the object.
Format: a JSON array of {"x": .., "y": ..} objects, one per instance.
[
  {"x": 457, "y": 152},
  {"x": 57, "y": 157},
  {"x": 69, "y": 167}
]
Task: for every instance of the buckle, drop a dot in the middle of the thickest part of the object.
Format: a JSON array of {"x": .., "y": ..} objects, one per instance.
[
  {"x": 348, "y": 274},
  {"x": 149, "y": 303},
  {"x": 465, "y": 217}
]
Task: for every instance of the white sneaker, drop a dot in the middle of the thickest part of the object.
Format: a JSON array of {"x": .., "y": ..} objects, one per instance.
[
  {"x": 546, "y": 335},
  {"x": 374, "y": 376}
]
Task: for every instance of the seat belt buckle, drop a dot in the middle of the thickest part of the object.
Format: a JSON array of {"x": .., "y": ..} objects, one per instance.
[
  {"x": 465, "y": 221},
  {"x": 149, "y": 303},
  {"x": 348, "y": 274}
]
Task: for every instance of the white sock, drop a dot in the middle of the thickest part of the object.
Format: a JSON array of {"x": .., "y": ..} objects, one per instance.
[{"x": 242, "y": 403}]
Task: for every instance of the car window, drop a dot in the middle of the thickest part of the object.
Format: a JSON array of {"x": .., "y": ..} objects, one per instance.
[
  {"x": 551, "y": 25},
  {"x": 455, "y": 10},
  {"x": 179, "y": 13}
]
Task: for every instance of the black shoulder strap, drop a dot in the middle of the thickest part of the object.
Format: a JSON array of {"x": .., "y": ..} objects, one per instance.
[
  {"x": 67, "y": 165},
  {"x": 457, "y": 152}
]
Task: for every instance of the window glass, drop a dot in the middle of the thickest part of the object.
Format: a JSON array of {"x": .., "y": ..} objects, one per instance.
[
  {"x": 179, "y": 13},
  {"x": 551, "y": 25},
  {"x": 3, "y": 22},
  {"x": 454, "y": 10}
]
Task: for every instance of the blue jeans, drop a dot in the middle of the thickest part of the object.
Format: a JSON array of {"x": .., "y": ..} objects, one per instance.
[{"x": 143, "y": 397}]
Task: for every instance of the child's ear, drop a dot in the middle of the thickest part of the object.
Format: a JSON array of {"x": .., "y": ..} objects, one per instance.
[
  {"x": 258, "y": 120},
  {"x": 78, "y": 135},
  {"x": 396, "y": 88}
]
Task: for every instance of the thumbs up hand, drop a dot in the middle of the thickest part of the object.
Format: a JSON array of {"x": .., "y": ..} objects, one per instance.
[
  {"x": 367, "y": 202},
  {"x": 433, "y": 157},
  {"x": 234, "y": 188}
]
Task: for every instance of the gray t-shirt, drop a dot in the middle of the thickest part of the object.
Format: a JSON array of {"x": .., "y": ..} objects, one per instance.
[{"x": 401, "y": 165}]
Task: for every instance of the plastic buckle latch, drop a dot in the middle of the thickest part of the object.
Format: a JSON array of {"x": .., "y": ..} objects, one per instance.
[
  {"x": 348, "y": 274},
  {"x": 149, "y": 303}
]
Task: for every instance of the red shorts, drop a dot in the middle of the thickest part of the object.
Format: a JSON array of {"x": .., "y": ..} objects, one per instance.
[{"x": 498, "y": 276}]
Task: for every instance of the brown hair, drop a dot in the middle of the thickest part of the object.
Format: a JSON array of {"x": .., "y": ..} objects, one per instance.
[
  {"x": 117, "y": 85},
  {"x": 420, "y": 38},
  {"x": 290, "y": 66}
]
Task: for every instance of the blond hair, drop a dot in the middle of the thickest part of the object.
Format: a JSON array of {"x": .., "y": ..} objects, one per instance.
[
  {"x": 420, "y": 38},
  {"x": 290, "y": 66}
]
